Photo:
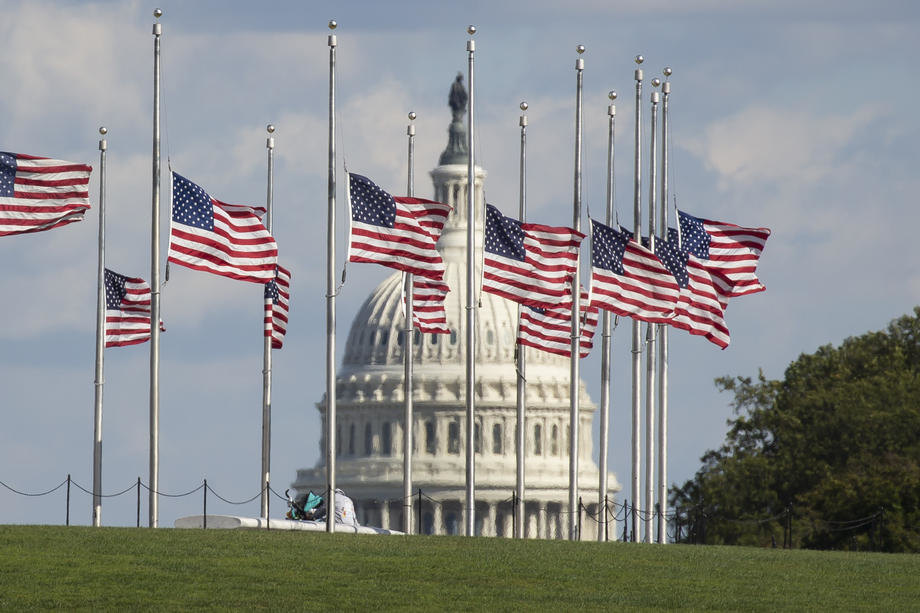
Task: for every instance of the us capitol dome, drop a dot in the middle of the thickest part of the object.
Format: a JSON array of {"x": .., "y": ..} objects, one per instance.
[{"x": 370, "y": 403}]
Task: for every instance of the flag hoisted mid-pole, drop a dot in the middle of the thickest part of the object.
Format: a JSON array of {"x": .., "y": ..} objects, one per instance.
[
  {"x": 155, "y": 287},
  {"x": 521, "y": 354},
  {"x": 267, "y": 344},
  {"x": 663, "y": 329},
  {"x": 576, "y": 312},
  {"x": 605, "y": 340},
  {"x": 636, "y": 342},
  {"x": 650, "y": 331},
  {"x": 408, "y": 418},
  {"x": 99, "y": 382},
  {"x": 470, "y": 501},
  {"x": 330, "y": 300}
]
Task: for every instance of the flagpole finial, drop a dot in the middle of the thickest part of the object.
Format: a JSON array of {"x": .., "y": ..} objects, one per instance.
[
  {"x": 667, "y": 71},
  {"x": 102, "y": 144},
  {"x": 524, "y": 106},
  {"x": 612, "y": 108},
  {"x": 103, "y": 130},
  {"x": 656, "y": 82},
  {"x": 332, "y": 24},
  {"x": 639, "y": 59},
  {"x": 470, "y": 29},
  {"x": 270, "y": 141},
  {"x": 580, "y": 49},
  {"x": 270, "y": 128},
  {"x": 157, "y": 13},
  {"x": 412, "y": 115},
  {"x": 410, "y": 129}
]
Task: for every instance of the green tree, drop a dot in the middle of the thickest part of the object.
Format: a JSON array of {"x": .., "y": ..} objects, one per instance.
[{"x": 834, "y": 446}]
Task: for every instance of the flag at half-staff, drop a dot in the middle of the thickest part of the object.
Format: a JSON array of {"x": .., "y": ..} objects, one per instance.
[
  {"x": 731, "y": 250},
  {"x": 428, "y": 312},
  {"x": 529, "y": 263},
  {"x": 39, "y": 193},
  {"x": 550, "y": 329},
  {"x": 223, "y": 239},
  {"x": 127, "y": 310},
  {"x": 396, "y": 232},
  {"x": 704, "y": 293},
  {"x": 277, "y": 304},
  {"x": 628, "y": 279}
]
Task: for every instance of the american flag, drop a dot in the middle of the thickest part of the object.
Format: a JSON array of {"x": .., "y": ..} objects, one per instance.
[
  {"x": 529, "y": 263},
  {"x": 726, "y": 248},
  {"x": 628, "y": 279},
  {"x": 39, "y": 193},
  {"x": 428, "y": 313},
  {"x": 277, "y": 303},
  {"x": 550, "y": 330},
  {"x": 703, "y": 292},
  {"x": 224, "y": 239},
  {"x": 398, "y": 233},
  {"x": 127, "y": 310}
]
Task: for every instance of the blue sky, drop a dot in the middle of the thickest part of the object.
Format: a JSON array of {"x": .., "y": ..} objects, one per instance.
[{"x": 792, "y": 116}]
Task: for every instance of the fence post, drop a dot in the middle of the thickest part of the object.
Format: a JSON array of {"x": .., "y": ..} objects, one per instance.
[
  {"x": 268, "y": 504},
  {"x": 580, "y": 508},
  {"x": 67, "y": 516},
  {"x": 606, "y": 520},
  {"x": 418, "y": 529},
  {"x": 204, "y": 515},
  {"x": 626, "y": 521},
  {"x": 138, "y": 502},
  {"x": 514, "y": 504}
]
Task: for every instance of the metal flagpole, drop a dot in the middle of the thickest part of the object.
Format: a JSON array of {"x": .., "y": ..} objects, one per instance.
[
  {"x": 330, "y": 299},
  {"x": 407, "y": 355},
  {"x": 636, "y": 342},
  {"x": 155, "y": 287},
  {"x": 100, "y": 343},
  {"x": 576, "y": 312},
  {"x": 650, "y": 358},
  {"x": 470, "y": 502},
  {"x": 663, "y": 330},
  {"x": 605, "y": 343},
  {"x": 521, "y": 353},
  {"x": 267, "y": 342}
]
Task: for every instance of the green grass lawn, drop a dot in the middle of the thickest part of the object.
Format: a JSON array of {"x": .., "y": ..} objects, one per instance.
[{"x": 44, "y": 567}]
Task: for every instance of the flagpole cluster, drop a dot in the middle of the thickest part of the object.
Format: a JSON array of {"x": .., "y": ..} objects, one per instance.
[
  {"x": 153, "y": 516},
  {"x": 99, "y": 381},
  {"x": 470, "y": 502}
]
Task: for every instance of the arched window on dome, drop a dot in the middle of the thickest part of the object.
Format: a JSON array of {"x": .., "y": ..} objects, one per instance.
[
  {"x": 368, "y": 439},
  {"x": 497, "y": 438},
  {"x": 477, "y": 438},
  {"x": 554, "y": 440},
  {"x": 384, "y": 336},
  {"x": 434, "y": 339},
  {"x": 418, "y": 338},
  {"x": 490, "y": 337},
  {"x": 351, "y": 439},
  {"x": 386, "y": 438},
  {"x": 537, "y": 439},
  {"x": 453, "y": 337},
  {"x": 453, "y": 437},
  {"x": 431, "y": 441}
]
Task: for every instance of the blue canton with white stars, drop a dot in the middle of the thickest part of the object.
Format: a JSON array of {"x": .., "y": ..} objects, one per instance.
[
  {"x": 369, "y": 203},
  {"x": 607, "y": 247},
  {"x": 673, "y": 257},
  {"x": 7, "y": 175},
  {"x": 504, "y": 235},
  {"x": 694, "y": 237},
  {"x": 271, "y": 291},
  {"x": 114, "y": 289},
  {"x": 191, "y": 204}
]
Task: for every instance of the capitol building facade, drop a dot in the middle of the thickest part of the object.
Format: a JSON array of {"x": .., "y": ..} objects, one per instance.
[{"x": 370, "y": 405}]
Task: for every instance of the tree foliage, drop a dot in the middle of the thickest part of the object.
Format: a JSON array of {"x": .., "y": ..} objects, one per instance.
[{"x": 834, "y": 448}]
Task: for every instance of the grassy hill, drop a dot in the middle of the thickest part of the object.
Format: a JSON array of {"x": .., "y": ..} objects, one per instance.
[{"x": 43, "y": 567}]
